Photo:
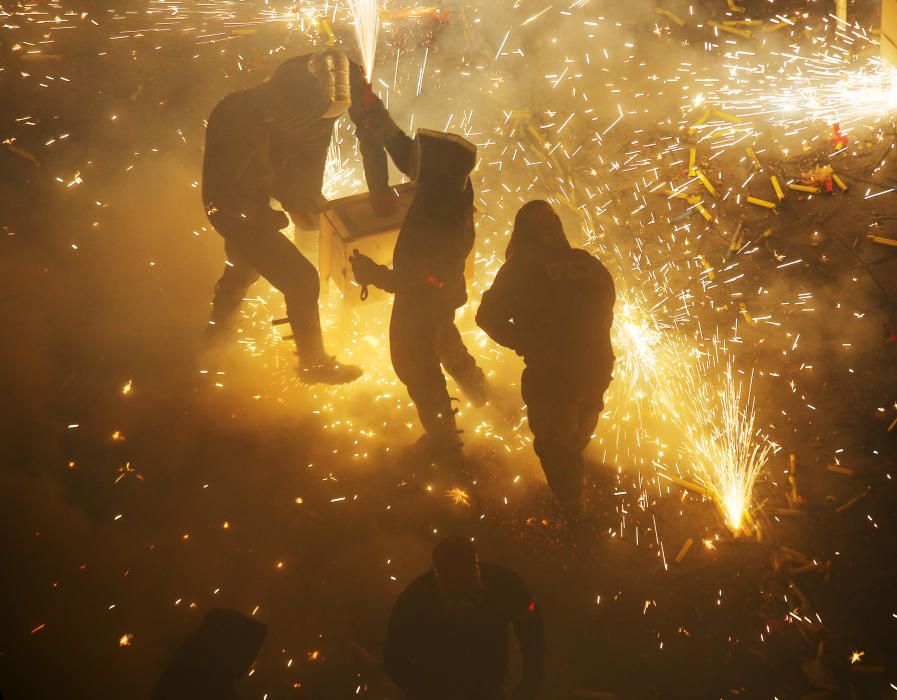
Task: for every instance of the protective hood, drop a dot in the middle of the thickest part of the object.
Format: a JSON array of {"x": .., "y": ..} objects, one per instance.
[{"x": 443, "y": 160}]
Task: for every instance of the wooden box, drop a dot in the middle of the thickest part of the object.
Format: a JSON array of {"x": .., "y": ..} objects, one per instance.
[
  {"x": 889, "y": 31},
  {"x": 349, "y": 224}
]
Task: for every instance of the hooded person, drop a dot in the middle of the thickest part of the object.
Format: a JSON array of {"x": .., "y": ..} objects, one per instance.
[
  {"x": 553, "y": 305},
  {"x": 427, "y": 277},
  {"x": 270, "y": 142},
  {"x": 210, "y": 661},
  {"x": 448, "y": 632}
]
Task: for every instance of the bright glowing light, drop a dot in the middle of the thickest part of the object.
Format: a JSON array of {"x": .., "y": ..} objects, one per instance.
[
  {"x": 721, "y": 448},
  {"x": 366, "y": 14}
]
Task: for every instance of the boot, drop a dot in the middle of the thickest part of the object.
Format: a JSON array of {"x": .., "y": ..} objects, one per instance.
[
  {"x": 315, "y": 365},
  {"x": 329, "y": 371},
  {"x": 441, "y": 439}
]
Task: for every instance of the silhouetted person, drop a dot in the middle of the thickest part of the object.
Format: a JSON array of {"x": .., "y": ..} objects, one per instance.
[
  {"x": 427, "y": 276},
  {"x": 553, "y": 304},
  {"x": 268, "y": 142},
  {"x": 448, "y": 633},
  {"x": 212, "y": 659}
]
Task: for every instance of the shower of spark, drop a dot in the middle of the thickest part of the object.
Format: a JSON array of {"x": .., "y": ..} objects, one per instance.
[
  {"x": 722, "y": 449},
  {"x": 366, "y": 14},
  {"x": 841, "y": 80}
]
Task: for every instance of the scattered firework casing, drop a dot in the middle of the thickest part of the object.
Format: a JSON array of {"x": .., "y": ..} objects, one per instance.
[
  {"x": 883, "y": 241},
  {"x": 839, "y": 182},
  {"x": 684, "y": 550},
  {"x": 746, "y": 33},
  {"x": 889, "y": 31},
  {"x": 691, "y": 162},
  {"x": 702, "y": 119},
  {"x": 704, "y": 181},
  {"x": 725, "y": 116},
  {"x": 803, "y": 188},
  {"x": 753, "y": 156},
  {"x": 761, "y": 202},
  {"x": 777, "y": 187},
  {"x": 670, "y": 16},
  {"x": 698, "y": 204}
]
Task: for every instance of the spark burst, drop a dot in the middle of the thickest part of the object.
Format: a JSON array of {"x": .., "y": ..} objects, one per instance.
[
  {"x": 714, "y": 414},
  {"x": 366, "y": 14}
]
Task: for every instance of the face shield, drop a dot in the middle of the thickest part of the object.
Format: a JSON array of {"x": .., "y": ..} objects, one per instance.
[{"x": 331, "y": 69}]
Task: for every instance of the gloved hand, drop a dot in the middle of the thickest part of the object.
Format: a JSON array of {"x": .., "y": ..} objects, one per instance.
[
  {"x": 363, "y": 267},
  {"x": 368, "y": 272},
  {"x": 371, "y": 114},
  {"x": 384, "y": 203}
]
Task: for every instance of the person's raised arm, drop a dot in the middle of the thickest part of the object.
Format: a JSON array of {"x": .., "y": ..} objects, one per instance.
[{"x": 370, "y": 141}]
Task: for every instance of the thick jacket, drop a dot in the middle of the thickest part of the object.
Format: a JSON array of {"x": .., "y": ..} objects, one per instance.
[
  {"x": 435, "y": 239},
  {"x": 249, "y": 156},
  {"x": 556, "y": 310},
  {"x": 435, "y": 654}
]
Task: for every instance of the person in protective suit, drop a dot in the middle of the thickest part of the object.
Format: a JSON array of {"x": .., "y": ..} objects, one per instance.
[
  {"x": 448, "y": 632},
  {"x": 427, "y": 277},
  {"x": 553, "y": 304},
  {"x": 270, "y": 142}
]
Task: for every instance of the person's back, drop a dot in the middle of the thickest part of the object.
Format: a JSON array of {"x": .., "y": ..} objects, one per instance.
[
  {"x": 236, "y": 169},
  {"x": 564, "y": 310}
]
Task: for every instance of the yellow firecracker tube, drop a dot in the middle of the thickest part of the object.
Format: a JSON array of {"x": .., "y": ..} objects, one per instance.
[
  {"x": 839, "y": 182},
  {"x": 684, "y": 550},
  {"x": 746, "y": 33},
  {"x": 692, "y": 154},
  {"x": 753, "y": 157},
  {"x": 703, "y": 178},
  {"x": 761, "y": 202},
  {"x": 803, "y": 188},
  {"x": 670, "y": 16},
  {"x": 777, "y": 187}
]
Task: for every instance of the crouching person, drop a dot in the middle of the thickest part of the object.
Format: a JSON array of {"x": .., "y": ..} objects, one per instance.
[{"x": 553, "y": 304}]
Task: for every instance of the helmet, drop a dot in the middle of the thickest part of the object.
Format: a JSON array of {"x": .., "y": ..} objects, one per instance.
[
  {"x": 331, "y": 69},
  {"x": 442, "y": 160}
]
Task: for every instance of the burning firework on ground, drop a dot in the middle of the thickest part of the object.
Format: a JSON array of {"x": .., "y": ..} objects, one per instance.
[{"x": 719, "y": 446}]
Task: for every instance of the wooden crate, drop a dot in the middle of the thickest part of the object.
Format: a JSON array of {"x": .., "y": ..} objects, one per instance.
[
  {"x": 349, "y": 224},
  {"x": 889, "y": 31}
]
